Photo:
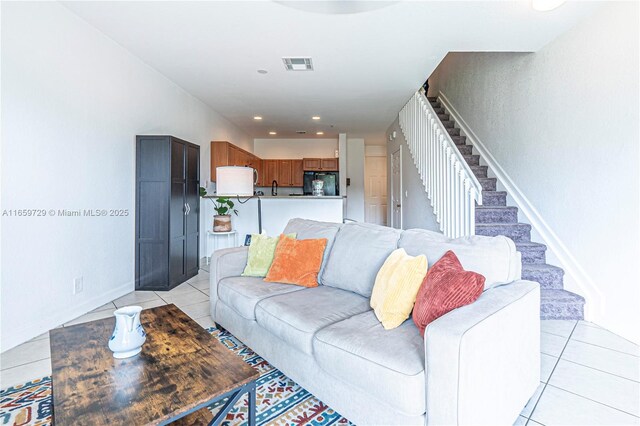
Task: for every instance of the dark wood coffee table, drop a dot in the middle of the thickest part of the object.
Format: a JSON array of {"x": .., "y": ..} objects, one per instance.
[{"x": 181, "y": 370}]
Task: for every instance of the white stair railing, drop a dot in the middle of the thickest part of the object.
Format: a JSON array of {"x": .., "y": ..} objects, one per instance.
[{"x": 449, "y": 182}]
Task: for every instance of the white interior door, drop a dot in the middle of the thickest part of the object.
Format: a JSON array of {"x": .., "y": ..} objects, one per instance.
[
  {"x": 375, "y": 188},
  {"x": 396, "y": 189}
]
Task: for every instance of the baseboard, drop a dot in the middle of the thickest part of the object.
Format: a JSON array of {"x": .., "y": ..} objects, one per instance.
[
  {"x": 45, "y": 321},
  {"x": 587, "y": 288}
]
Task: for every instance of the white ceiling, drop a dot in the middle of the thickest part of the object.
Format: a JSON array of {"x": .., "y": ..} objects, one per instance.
[{"x": 369, "y": 57}]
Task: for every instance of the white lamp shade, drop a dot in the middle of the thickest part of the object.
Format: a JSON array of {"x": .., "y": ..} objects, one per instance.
[{"x": 232, "y": 181}]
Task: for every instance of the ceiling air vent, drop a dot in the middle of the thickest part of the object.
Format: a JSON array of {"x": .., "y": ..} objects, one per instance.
[
  {"x": 301, "y": 132},
  {"x": 298, "y": 64}
]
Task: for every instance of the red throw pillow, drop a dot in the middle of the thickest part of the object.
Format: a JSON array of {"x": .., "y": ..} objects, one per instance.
[{"x": 447, "y": 286}]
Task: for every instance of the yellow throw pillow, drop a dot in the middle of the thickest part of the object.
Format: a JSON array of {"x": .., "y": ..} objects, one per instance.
[{"x": 396, "y": 287}]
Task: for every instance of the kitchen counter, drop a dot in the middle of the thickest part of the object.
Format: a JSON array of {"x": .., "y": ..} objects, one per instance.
[
  {"x": 304, "y": 197},
  {"x": 276, "y": 212},
  {"x": 292, "y": 197}
]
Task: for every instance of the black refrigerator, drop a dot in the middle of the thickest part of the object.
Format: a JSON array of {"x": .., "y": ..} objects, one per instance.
[{"x": 167, "y": 246}]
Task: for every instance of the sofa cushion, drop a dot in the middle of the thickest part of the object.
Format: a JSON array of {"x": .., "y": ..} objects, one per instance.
[
  {"x": 261, "y": 252},
  {"x": 495, "y": 258},
  {"x": 357, "y": 255},
  {"x": 446, "y": 287},
  {"x": 396, "y": 287},
  {"x": 387, "y": 364},
  {"x": 306, "y": 229},
  {"x": 242, "y": 294},
  {"x": 296, "y": 317},
  {"x": 297, "y": 262}
]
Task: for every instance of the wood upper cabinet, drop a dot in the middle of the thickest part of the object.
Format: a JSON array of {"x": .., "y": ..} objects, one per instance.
[
  {"x": 284, "y": 173},
  {"x": 224, "y": 153},
  {"x": 312, "y": 164},
  {"x": 297, "y": 173},
  {"x": 320, "y": 164},
  {"x": 329, "y": 164},
  {"x": 269, "y": 171}
]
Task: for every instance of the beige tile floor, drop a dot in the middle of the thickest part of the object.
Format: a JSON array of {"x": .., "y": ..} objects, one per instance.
[{"x": 588, "y": 374}]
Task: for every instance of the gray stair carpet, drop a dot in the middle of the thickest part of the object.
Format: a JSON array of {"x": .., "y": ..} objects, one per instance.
[{"x": 494, "y": 217}]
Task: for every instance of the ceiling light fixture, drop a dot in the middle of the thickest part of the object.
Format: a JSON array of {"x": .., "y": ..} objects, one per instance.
[
  {"x": 272, "y": 133},
  {"x": 257, "y": 117},
  {"x": 262, "y": 71},
  {"x": 319, "y": 133},
  {"x": 315, "y": 117},
  {"x": 298, "y": 64},
  {"x": 546, "y": 5}
]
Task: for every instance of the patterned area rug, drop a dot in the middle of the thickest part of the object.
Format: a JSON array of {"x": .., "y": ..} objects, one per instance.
[{"x": 280, "y": 400}]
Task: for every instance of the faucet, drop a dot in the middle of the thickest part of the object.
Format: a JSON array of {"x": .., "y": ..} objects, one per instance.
[{"x": 274, "y": 188}]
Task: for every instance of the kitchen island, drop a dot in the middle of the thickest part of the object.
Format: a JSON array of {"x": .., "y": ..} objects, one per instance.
[{"x": 276, "y": 212}]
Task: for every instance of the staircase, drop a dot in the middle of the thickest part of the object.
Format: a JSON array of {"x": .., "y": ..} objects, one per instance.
[{"x": 494, "y": 217}]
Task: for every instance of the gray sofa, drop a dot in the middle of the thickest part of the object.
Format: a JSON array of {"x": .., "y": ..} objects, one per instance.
[{"x": 478, "y": 364}]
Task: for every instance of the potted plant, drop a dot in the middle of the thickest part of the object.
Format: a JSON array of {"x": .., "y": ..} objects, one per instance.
[{"x": 223, "y": 207}]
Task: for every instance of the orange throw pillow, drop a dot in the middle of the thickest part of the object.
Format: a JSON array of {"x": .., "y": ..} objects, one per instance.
[{"x": 297, "y": 261}]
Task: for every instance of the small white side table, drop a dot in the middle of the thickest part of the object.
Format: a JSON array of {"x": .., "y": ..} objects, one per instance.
[{"x": 221, "y": 240}]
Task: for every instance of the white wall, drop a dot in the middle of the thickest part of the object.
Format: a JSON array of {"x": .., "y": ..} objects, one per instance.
[
  {"x": 416, "y": 207},
  {"x": 295, "y": 148},
  {"x": 72, "y": 102},
  {"x": 563, "y": 124},
  {"x": 355, "y": 174}
]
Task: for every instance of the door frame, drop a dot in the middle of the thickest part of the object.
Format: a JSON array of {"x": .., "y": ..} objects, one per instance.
[{"x": 391, "y": 202}]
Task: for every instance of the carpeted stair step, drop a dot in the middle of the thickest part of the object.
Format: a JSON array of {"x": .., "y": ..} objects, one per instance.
[
  {"x": 479, "y": 171},
  {"x": 549, "y": 276},
  {"x": 496, "y": 214},
  {"x": 494, "y": 198},
  {"x": 459, "y": 140},
  {"x": 454, "y": 132},
  {"x": 448, "y": 124},
  {"x": 561, "y": 305},
  {"x": 488, "y": 184},
  {"x": 439, "y": 110},
  {"x": 532, "y": 253},
  {"x": 432, "y": 98},
  {"x": 472, "y": 160},
  {"x": 465, "y": 149},
  {"x": 518, "y": 232},
  {"x": 443, "y": 116}
]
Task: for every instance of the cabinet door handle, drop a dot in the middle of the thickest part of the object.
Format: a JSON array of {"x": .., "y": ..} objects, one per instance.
[{"x": 186, "y": 210}]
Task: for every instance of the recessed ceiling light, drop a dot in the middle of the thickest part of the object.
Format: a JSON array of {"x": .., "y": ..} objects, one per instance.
[
  {"x": 546, "y": 5},
  {"x": 272, "y": 133},
  {"x": 257, "y": 117},
  {"x": 298, "y": 64},
  {"x": 301, "y": 132},
  {"x": 262, "y": 71},
  {"x": 315, "y": 117},
  {"x": 319, "y": 133}
]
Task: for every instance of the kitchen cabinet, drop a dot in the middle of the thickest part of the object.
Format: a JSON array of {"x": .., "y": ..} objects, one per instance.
[
  {"x": 320, "y": 164},
  {"x": 329, "y": 164},
  {"x": 167, "y": 212},
  {"x": 312, "y": 164},
  {"x": 269, "y": 171},
  {"x": 224, "y": 153},
  {"x": 284, "y": 173},
  {"x": 297, "y": 173}
]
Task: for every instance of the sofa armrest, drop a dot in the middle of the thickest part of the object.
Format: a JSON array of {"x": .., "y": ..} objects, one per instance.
[
  {"x": 483, "y": 360},
  {"x": 225, "y": 263}
]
